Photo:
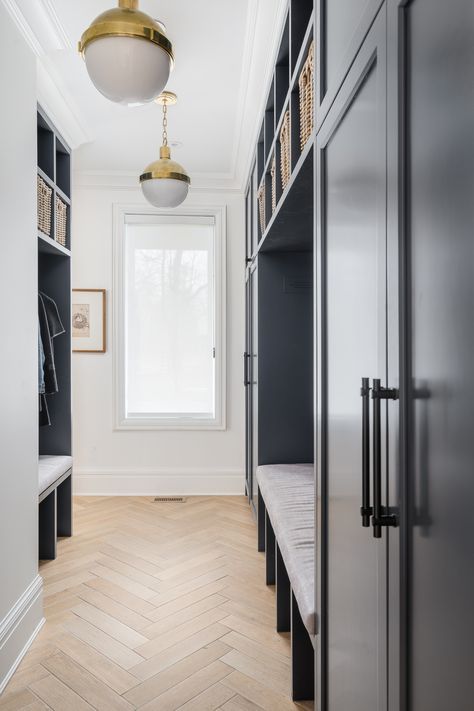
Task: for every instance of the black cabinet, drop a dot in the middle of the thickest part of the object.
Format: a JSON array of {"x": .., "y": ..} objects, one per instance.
[
  {"x": 352, "y": 258},
  {"x": 395, "y": 186},
  {"x": 388, "y": 177},
  {"x": 251, "y": 383},
  {"x": 435, "y": 43},
  {"x": 254, "y": 381}
]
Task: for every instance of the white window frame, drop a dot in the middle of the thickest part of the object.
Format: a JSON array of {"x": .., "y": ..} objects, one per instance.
[{"x": 121, "y": 422}]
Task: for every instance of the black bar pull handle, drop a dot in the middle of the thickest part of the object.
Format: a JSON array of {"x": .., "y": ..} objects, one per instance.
[
  {"x": 366, "y": 509},
  {"x": 377, "y": 459},
  {"x": 246, "y": 369},
  {"x": 379, "y": 518}
]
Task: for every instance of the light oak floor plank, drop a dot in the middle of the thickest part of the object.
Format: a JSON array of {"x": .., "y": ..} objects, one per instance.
[
  {"x": 238, "y": 703},
  {"x": 96, "y": 663},
  {"x": 208, "y": 700},
  {"x": 161, "y": 682},
  {"x": 116, "y": 651},
  {"x": 179, "y": 694},
  {"x": 58, "y": 696},
  {"x": 110, "y": 625},
  {"x": 179, "y": 651},
  {"x": 178, "y": 634},
  {"x": 99, "y": 695},
  {"x": 161, "y": 607}
]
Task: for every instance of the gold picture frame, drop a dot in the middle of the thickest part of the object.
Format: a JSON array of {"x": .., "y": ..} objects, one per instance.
[{"x": 89, "y": 321}]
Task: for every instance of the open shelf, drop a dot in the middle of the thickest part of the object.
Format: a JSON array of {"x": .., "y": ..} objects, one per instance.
[
  {"x": 260, "y": 153},
  {"x": 45, "y": 147},
  {"x": 292, "y": 224},
  {"x": 54, "y": 279},
  {"x": 49, "y": 181},
  {"x": 289, "y": 225},
  {"x": 269, "y": 120},
  {"x": 46, "y": 245},
  {"x": 54, "y": 167},
  {"x": 63, "y": 168},
  {"x": 303, "y": 52},
  {"x": 301, "y": 15},
  {"x": 280, "y": 280},
  {"x": 282, "y": 71}
]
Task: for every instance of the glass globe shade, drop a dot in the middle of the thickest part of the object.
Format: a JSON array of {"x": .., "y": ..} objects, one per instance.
[
  {"x": 164, "y": 182},
  {"x": 165, "y": 192},
  {"x": 127, "y": 70}
]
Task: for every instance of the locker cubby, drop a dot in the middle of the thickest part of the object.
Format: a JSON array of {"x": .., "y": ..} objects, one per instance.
[
  {"x": 63, "y": 168},
  {"x": 45, "y": 147},
  {"x": 269, "y": 120},
  {"x": 300, "y": 16},
  {"x": 282, "y": 71}
]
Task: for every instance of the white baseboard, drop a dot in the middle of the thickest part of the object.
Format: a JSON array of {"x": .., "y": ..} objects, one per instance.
[
  {"x": 19, "y": 628},
  {"x": 158, "y": 482}
]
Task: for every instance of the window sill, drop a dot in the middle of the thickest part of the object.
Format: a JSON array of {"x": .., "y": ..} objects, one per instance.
[{"x": 169, "y": 425}]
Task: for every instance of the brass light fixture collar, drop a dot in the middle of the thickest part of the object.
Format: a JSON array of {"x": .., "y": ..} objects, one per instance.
[
  {"x": 165, "y": 168},
  {"x": 126, "y": 21}
]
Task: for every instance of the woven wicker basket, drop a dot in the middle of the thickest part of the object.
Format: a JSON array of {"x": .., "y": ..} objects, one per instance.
[
  {"x": 285, "y": 143},
  {"x": 261, "y": 206},
  {"x": 44, "y": 194},
  {"x": 306, "y": 86},
  {"x": 273, "y": 176},
  {"x": 61, "y": 221}
]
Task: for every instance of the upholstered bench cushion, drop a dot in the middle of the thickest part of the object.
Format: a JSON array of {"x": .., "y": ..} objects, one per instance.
[
  {"x": 288, "y": 493},
  {"x": 51, "y": 468}
]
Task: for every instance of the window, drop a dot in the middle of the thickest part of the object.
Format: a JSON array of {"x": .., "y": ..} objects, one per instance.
[{"x": 169, "y": 327}]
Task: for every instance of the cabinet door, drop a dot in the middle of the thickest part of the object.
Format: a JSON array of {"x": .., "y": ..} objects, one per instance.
[
  {"x": 248, "y": 392},
  {"x": 341, "y": 27},
  {"x": 436, "y": 39},
  {"x": 248, "y": 223},
  {"x": 250, "y": 216},
  {"x": 253, "y": 390},
  {"x": 254, "y": 206},
  {"x": 352, "y": 320}
]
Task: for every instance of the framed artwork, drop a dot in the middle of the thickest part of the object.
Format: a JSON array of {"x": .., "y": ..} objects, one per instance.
[{"x": 88, "y": 320}]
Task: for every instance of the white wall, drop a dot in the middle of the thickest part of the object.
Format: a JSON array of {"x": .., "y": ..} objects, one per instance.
[
  {"x": 20, "y": 587},
  {"x": 157, "y": 462}
]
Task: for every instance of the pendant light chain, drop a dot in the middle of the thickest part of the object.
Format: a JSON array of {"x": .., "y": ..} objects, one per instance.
[
  {"x": 165, "y": 183},
  {"x": 165, "y": 123}
]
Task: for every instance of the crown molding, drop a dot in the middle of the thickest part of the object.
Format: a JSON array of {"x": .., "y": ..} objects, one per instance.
[
  {"x": 40, "y": 26},
  {"x": 63, "y": 38},
  {"x": 48, "y": 36},
  {"x": 248, "y": 133},
  {"x": 128, "y": 181},
  {"x": 20, "y": 21},
  {"x": 249, "y": 138},
  {"x": 59, "y": 109},
  {"x": 248, "y": 58}
]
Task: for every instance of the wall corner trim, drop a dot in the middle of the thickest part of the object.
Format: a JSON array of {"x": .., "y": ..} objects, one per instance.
[
  {"x": 159, "y": 482},
  {"x": 10, "y": 628}
]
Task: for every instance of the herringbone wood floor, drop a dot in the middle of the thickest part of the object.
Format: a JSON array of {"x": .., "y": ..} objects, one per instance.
[{"x": 157, "y": 607}]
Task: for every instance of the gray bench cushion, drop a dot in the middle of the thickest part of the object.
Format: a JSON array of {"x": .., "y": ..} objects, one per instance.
[
  {"x": 51, "y": 468},
  {"x": 288, "y": 493}
]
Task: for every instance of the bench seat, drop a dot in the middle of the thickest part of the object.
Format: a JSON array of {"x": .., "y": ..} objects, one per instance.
[
  {"x": 288, "y": 493},
  {"x": 50, "y": 469}
]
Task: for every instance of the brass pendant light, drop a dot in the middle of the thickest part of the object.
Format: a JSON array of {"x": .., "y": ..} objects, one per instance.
[
  {"x": 164, "y": 182},
  {"x": 127, "y": 54}
]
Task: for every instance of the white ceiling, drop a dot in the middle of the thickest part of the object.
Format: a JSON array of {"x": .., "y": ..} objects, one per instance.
[{"x": 223, "y": 51}]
